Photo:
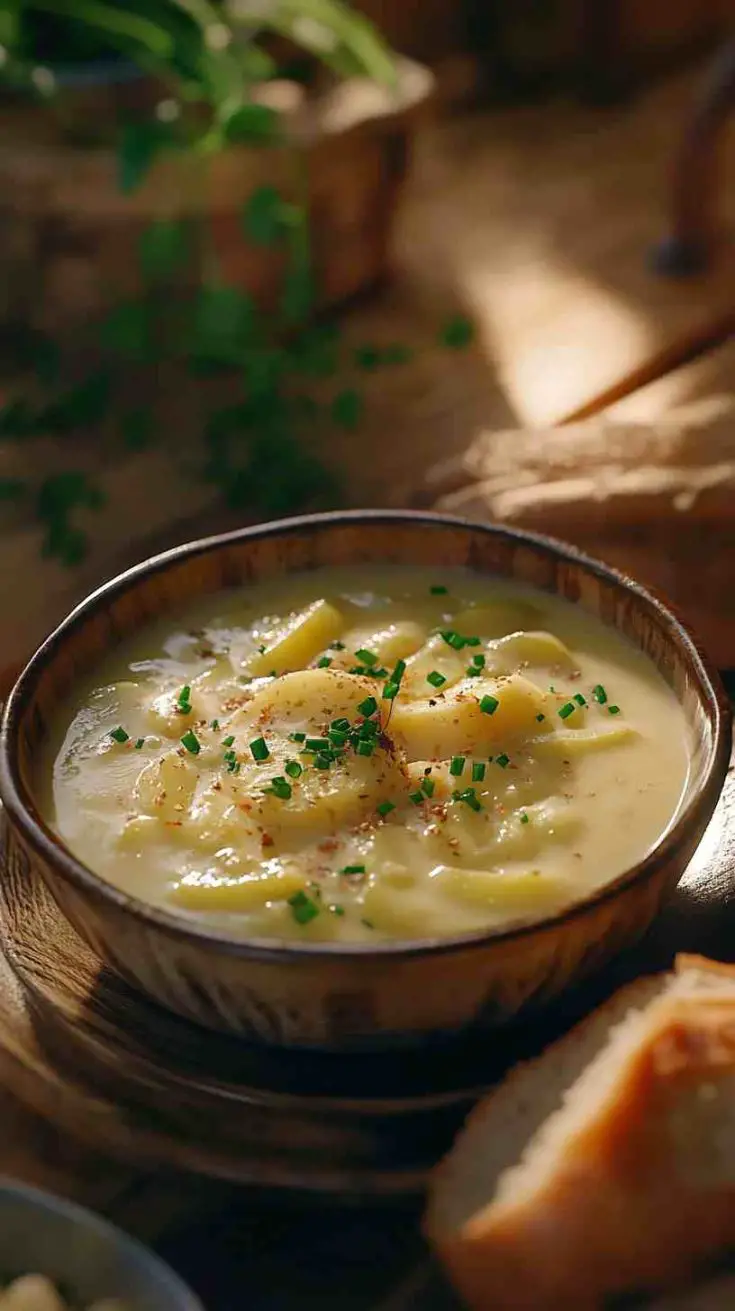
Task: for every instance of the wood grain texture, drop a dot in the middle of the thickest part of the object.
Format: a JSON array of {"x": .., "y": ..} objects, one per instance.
[{"x": 394, "y": 993}]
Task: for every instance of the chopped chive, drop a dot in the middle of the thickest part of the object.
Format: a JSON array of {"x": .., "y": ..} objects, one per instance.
[
  {"x": 472, "y": 671},
  {"x": 470, "y": 798},
  {"x": 427, "y": 786},
  {"x": 317, "y": 744},
  {"x": 341, "y": 725},
  {"x": 140, "y": 742},
  {"x": 119, "y": 735},
  {"x": 599, "y": 694},
  {"x": 613, "y": 710},
  {"x": 438, "y": 590},
  {"x": 435, "y": 678},
  {"x": 353, "y": 869},
  {"x": 398, "y": 672},
  {"x": 452, "y": 639},
  {"x": 229, "y": 755},
  {"x": 390, "y": 691},
  {"x": 259, "y": 749},
  {"x": 324, "y": 663},
  {"x": 338, "y": 738},
  {"x": 476, "y": 667},
  {"x": 233, "y": 767},
  {"x": 479, "y": 660},
  {"x": 471, "y": 641},
  {"x": 297, "y": 737},
  {"x": 489, "y": 705},
  {"x": 364, "y": 747},
  {"x": 336, "y": 910},
  {"x": 183, "y": 700},
  {"x": 279, "y": 787},
  {"x": 385, "y": 808},
  {"x": 191, "y": 742},
  {"x": 227, "y": 741},
  {"x": 293, "y": 768},
  {"x": 368, "y": 707},
  {"x": 367, "y": 657},
  {"x": 502, "y": 760},
  {"x": 336, "y": 646},
  {"x": 540, "y": 718},
  {"x": 456, "y": 765},
  {"x": 579, "y": 699},
  {"x": 322, "y": 761},
  {"x": 303, "y": 908},
  {"x": 551, "y": 689},
  {"x": 261, "y": 649},
  {"x": 214, "y": 725},
  {"x": 478, "y": 771},
  {"x": 524, "y": 817},
  {"x": 416, "y": 798},
  {"x": 566, "y": 710}
]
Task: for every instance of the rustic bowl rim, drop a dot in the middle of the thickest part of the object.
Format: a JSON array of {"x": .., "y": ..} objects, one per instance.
[{"x": 21, "y": 807}]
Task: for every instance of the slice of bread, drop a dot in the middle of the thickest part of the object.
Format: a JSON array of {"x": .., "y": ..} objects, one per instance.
[{"x": 607, "y": 1165}]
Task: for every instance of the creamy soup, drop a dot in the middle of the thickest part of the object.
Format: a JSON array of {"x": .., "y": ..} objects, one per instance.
[{"x": 350, "y": 755}]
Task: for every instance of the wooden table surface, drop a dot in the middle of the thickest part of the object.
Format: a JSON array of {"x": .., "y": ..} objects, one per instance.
[{"x": 537, "y": 222}]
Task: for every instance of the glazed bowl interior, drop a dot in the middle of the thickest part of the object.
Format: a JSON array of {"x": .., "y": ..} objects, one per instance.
[
  {"x": 178, "y": 578},
  {"x": 86, "y": 1258}
]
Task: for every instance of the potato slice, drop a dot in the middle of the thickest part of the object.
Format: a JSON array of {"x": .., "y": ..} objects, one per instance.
[
  {"x": 206, "y": 892},
  {"x": 582, "y": 740},
  {"x": 532, "y": 650},
  {"x": 454, "y": 724},
  {"x": 434, "y": 657},
  {"x": 308, "y": 699},
  {"x": 394, "y": 642},
  {"x": 496, "y": 619},
  {"x": 503, "y": 890},
  {"x": 299, "y": 641},
  {"x": 165, "y": 787}
]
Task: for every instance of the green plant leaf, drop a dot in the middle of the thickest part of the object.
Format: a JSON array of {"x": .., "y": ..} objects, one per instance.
[
  {"x": 127, "y": 330},
  {"x": 163, "y": 248},
  {"x": 457, "y": 333},
  {"x": 139, "y": 145},
  {"x": 67, "y": 544},
  {"x": 253, "y": 125},
  {"x": 61, "y": 493},
  {"x": 224, "y": 324},
  {"x": 335, "y": 33},
  {"x": 264, "y": 217},
  {"x": 80, "y": 407},
  {"x": 298, "y": 295},
  {"x": 315, "y": 352},
  {"x": 17, "y": 419},
  {"x": 347, "y": 408}
]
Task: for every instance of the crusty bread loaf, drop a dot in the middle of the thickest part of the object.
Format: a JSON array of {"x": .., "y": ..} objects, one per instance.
[{"x": 605, "y": 1166}]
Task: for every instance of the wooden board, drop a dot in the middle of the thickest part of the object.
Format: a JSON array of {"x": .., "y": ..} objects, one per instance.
[{"x": 289, "y": 1253}]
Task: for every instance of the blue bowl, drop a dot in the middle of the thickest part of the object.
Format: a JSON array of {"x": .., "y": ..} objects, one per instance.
[{"x": 84, "y": 1256}]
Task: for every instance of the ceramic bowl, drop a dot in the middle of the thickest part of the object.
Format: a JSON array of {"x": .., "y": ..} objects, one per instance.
[
  {"x": 84, "y": 1256},
  {"x": 336, "y": 995}
]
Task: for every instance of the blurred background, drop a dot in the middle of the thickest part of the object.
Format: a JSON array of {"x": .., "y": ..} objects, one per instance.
[{"x": 264, "y": 256}]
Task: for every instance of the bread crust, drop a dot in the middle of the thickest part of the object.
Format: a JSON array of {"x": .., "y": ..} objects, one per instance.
[{"x": 628, "y": 1203}]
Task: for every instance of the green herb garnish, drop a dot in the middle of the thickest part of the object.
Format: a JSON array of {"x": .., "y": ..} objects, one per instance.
[
  {"x": 427, "y": 786},
  {"x": 336, "y": 910},
  {"x": 438, "y": 590},
  {"x": 336, "y": 646},
  {"x": 303, "y": 908},
  {"x": 579, "y": 699},
  {"x": 324, "y": 663},
  {"x": 613, "y": 710},
  {"x": 293, "y": 768},
  {"x": 385, "y": 808},
  {"x": 341, "y": 725},
  {"x": 228, "y": 741},
  {"x": 524, "y": 818},
  {"x": 368, "y": 707},
  {"x": 398, "y": 672},
  {"x": 119, "y": 735},
  {"x": 416, "y": 797},
  {"x": 478, "y": 771},
  {"x": 540, "y": 718},
  {"x": 453, "y": 639},
  {"x": 323, "y": 761},
  {"x": 140, "y": 742},
  {"x": 489, "y": 705},
  {"x": 183, "y": 700},
  {"x": 191, "y": 742},
  {"x": 456, "y": 765},
  {"x": 469, "y": 797},
  {"x": 279, "y": 787},
  {"x": 353, "y": 869},
  {"x": 259, "y": 749},
  {"x": 214, "y": 725},
  {"x": 367, "y": 657},
  {"x": 566, "y": 710},
  {"x": 364, "y": 747},
  {"x": 316, "y": 744},
  {"x": 599, "y": 694},
  {"x": 435, "y": 678},
  {"x": 297, "y": 737},
  {"x": 390, "y": 691},
  {"x": 502, "y": 760}
]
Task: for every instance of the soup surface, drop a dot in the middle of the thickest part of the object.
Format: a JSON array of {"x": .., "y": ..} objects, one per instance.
[{"x": 368, "y": 753}]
